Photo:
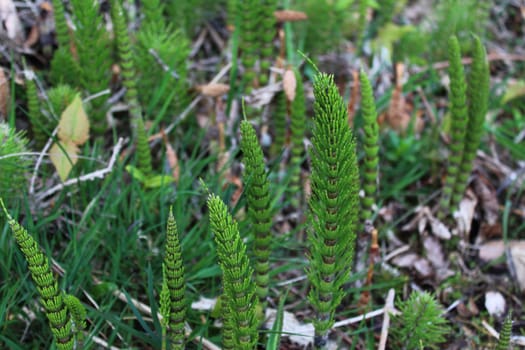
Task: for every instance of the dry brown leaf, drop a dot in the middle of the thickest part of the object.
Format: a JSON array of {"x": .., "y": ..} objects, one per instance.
[
  {"x": 469, "y": 309},
  {"x": 10, "y": 23},
  {"x": 64, "y": 163},
  {"x": 74, "y": 123},
  {"x": 4, "y": 95},
  {"x": 354, "y": 97},
  {"x": 171, "y": 157},
  {"x": 423, "y": 268},
  {"x": 398, "y": 115},
  {"x": 289, "y": 84},
  {"x": 465, "y": 214},
  {"x": 298, "y": 332},
  {"x": 32, "y": 38},
  {"x": 422, "y": 218},
  {"x": 493, "y": 250},
  {"x": 434, "y": 253},
  {"x": 486, "y": 193},
  {"x": 290, "y": 16},
  {"x": 518, "y": 259},
  {"x": 213, "y": 89}
]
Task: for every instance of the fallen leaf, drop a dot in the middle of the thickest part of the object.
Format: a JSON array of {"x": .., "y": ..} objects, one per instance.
[
  {"x": 300, "y": 333},
  {"x": 213, "y": 89},
  {"x": 405, "y": 260},
  {"x": 517, "y": 252},
  {"x": 515, "y": 89},
  {"x": 488, "y": 199},
  {"x": 173, "y": 161},
  {"x": 495, "y": 303},
  {"x": 74, "y": 123},
  {"x": 495, "y": 249},
  {"x": 9, "y": 21},
  {"x": 423, "y": 268},
  {"x": 422, "y": 218},
  {"x": 204, "y": 304},
  {"x": 354, "y": 98},
  {"x": 289, "y": 84},
  {"x": 64, "y": 157},
  {"x": 465, "y": 214},
  {"x": 32, "y": 38},
  {"x": 468, "y": 310},
  {"x": 290, "y": 16},
  {"x": 439, "y": 229},
  {"x": 434, "y": 251}
]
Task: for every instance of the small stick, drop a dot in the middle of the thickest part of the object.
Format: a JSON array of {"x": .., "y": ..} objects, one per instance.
[
  {"x": 39, "y": 160},
  {"x": 389, "y": 305},
  {"x": 366, "y": 316},
  {"x": 91, "y": 176}
]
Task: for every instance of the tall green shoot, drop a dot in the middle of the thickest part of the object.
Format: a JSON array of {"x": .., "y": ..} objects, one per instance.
[{"x": 334, "y": 204}]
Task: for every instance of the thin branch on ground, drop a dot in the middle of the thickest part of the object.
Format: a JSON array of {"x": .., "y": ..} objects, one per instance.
[
  {"x": 91, "y": 176},
  {"x": 389, "y": 306}
]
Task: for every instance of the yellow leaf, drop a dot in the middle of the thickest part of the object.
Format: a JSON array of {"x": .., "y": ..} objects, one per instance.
[
  {"x": 62, "y": 162},
  {"x": 74, "y": 123}
]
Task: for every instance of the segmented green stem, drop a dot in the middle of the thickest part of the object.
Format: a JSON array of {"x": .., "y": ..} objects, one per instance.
[
  {"x": 129, "y": 79},
  {"x": 333, "y": 204},
  {"x": 297, "y": 131},
  {"x": 61, "y": 28},
  {"x": 93, "y": 48},
  {"x": 459, "y": 120},
  {"x": 249, "y": 44},
  {"x": 361, "y": 23},
  {"x": 35, "y": 115},
  {"x": 164, "y": 308},
  {"x": 505, "y": 333},
  {"x": 370, "y": 146},
  {"x": 52, "y": 298},
  {"x": 153, "y": 15},
  {"x": 160, "y": 61},
  {"x": 174, "y": 279},
  {"x": 266, "y": 31},
  {"x": 144, "y": 162},
  {"x": 237, "y": 276},
  {"x": 478, "y": 93},
  {"x": 78, "y": 317},
  {"x": 279, "y": 121},
  {"x": 257, "y": 189}
]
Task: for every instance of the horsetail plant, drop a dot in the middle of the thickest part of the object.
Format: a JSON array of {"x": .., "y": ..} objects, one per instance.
[
  {"x": 240, "y": 320},
  {"x": 266, "y": 31},
  {"x": 258, "y": 202},
  {"x": 13, "y": 167},
  {"x": 459, "y": 121},
  {"x": 478, "y": 94},
  {"x": 370, "y": 146},
  {"x": 51, "y": 298},
  {"x": 93, "y": 48},
  {"x": 125, "y": 51},
  {"x": 467, "y": 120},
  {"x": 78, "y": 317},
  {"x": 279, "y": 121},
  {"x": 297, "y": 131},
  {"x": 173, "y": 301},
  {"x": 334, "y": 204},
  {"x": 421, "y": 323},
  {"x": 505, "y": 333},
  {"x": 144, "y": 163},
  {"x": 33, "y": 111},
  {"x": 249, "y": 44},
  {"x": 63, "y": 66}
]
